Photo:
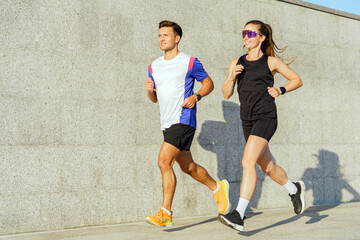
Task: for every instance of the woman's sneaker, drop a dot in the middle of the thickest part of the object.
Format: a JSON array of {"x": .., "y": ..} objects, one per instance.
[
  {"x": 298, "y": 199},
  {"x": 232, "y": 220}
]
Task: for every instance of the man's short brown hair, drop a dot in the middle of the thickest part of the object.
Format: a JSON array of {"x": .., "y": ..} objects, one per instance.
[{"x": 176, "y": 28}]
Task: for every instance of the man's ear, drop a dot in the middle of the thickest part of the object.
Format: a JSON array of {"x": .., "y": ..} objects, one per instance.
[{"x": 177, "y": 38}]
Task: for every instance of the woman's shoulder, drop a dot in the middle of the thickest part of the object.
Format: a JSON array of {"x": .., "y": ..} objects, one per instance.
[
  {"x": 273, "y": 59},
  {"x": 234, "y": 61},
  {"x": 274, "y": 63},
  {"x": 243, "y": 56},
  {"x": 238, "y": 59}
]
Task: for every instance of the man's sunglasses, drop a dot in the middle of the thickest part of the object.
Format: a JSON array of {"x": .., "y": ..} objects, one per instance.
[{"x": 250, "y": 34}]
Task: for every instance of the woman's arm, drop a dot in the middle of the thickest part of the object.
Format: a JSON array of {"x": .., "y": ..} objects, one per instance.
[
  {"x": 276, "y": 65},
  {"x": 228, "y": 86}
]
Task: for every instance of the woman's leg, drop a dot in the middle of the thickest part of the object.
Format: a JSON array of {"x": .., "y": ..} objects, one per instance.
[
  {"x": 296, "y": 190},
  {"x": 274, "y": 171},
  {"x": 254, "y": 149}
]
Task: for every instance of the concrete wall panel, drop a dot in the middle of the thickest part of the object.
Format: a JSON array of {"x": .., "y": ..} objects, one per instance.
[{"x": 80, "y": 139}]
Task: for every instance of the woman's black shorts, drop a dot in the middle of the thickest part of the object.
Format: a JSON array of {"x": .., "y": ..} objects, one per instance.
[{"x": 263, "y": 127}]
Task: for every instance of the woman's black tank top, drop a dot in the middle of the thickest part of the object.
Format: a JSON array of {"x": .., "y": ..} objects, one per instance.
[{"x": 255, "y": 101}]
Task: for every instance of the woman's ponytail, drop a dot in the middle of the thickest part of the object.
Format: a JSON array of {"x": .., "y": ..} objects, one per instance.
[{"x": 268, "y": 46}]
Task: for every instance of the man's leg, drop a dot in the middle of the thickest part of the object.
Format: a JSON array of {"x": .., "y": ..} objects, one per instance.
[
  {"x": 185, "y": 160},
  {"x": 220, "y": 188},
  {"x": 168, "y": 154}
]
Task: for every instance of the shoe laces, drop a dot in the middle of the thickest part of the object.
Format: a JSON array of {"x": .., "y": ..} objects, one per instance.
[
  {"x": 236, "y": 214},
  {"x": 293, "y": 198},
  {"x": 233, "y": 213},
  {"x": 159, "y": 215}
]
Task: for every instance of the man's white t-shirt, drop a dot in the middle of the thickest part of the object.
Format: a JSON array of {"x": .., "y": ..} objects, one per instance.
[{"x": 174, "y": 82}]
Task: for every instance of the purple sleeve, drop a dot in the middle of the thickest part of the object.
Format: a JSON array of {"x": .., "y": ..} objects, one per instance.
[{"x": 198, "y": 71}]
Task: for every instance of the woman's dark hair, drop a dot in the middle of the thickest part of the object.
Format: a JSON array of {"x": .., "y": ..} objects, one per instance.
[
  {"x": 176, "y": 28},
  {"x": 268, "y": 46}
]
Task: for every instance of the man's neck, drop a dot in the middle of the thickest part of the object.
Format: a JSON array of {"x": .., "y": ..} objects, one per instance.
[{"x": 171, "y": 54}]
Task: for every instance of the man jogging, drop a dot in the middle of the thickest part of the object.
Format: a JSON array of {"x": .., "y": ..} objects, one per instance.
[{"x": 171, "y": 83}]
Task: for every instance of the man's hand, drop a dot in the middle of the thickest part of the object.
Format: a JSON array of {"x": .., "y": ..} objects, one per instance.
[
  {"x": 189, "y": 102},
  {"x": 151, "y": 92},
  {"x": 149, "y": 85}
]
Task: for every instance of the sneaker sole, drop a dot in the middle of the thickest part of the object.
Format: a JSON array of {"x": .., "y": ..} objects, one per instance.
[
  {"x": 227, "y": 195},
  {"x": 152, "y": 223},
  {"x": 230, "y": 224},
  {"x": 302, "y": 196}
]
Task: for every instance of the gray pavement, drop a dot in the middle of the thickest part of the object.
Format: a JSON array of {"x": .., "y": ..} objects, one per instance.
[{"x": 325, "y": 222}]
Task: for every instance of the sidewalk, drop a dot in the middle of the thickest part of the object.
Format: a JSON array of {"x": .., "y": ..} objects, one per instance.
[{"x": 326, "y": 222}]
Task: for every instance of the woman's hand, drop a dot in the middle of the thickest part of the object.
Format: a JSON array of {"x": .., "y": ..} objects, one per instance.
[
  {"x": 229, "y": 84},
  {"x": 237, "y": 69},
  {"x": 274, "y": 92}
]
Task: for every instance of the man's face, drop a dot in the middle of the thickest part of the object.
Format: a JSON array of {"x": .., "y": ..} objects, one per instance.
[{"x": 168, "y": 39}]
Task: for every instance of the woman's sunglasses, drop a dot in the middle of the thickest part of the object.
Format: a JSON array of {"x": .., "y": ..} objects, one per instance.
[{"x": 250, "y": 34}]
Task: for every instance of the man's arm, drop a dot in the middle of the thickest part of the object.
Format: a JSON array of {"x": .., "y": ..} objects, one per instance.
[
  {"x": 206, "y": 88},
  {"x": 151, "y": 92}
]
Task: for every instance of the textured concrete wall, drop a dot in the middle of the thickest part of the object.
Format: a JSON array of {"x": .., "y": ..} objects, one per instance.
[{"x": 79, "y": 138}]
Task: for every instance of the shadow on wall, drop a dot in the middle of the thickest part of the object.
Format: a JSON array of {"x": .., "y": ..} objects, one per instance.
[
  {"x": 226, "y": 140},
  {"x": 326, "y": 181}
]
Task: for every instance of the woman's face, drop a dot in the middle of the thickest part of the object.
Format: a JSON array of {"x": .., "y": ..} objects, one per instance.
[{"x": 252, "y": 37}]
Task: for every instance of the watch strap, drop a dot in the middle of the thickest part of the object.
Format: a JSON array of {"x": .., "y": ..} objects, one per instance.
[{"x": 198, "y": 96}]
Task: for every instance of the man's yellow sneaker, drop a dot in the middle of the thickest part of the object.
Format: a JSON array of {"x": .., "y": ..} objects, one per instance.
[
  {"x": 161, "y": 219},
  {"x": 222, "y": 196}
]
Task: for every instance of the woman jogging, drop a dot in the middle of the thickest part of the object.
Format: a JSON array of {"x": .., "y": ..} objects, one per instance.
[{"x": 254, "y": 74}]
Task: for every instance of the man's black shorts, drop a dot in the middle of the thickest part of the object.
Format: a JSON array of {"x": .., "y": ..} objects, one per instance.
[
  {"x": 263, "y": 127},
  {"x": 179, "y": 135}
]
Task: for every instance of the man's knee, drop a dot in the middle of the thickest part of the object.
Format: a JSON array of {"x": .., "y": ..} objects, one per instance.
[{"x": 164, "y": 162}]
